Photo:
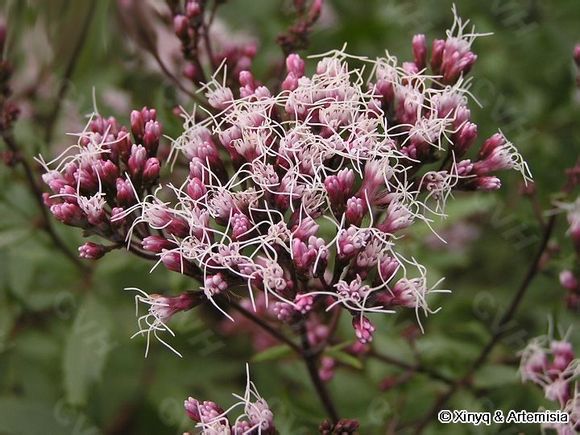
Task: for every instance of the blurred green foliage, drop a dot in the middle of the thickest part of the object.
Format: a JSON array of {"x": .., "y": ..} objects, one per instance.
[{"x": 67, "y": 364}]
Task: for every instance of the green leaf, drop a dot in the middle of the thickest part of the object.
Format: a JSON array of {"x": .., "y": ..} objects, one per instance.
[
  {"x": 7, "y": 318},
  {"x": 87, "y": 347},
  {"x": 12, "y": 236},
  {"x": 273, "y": 353},
  {"x": 344, "y": 358},
  {"x": 340, "y": 346},
  {"x": 27, "y": 417},
  {"x": 495, "y": 375}
]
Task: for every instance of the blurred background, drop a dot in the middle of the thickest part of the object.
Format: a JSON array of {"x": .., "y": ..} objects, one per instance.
[{"x": 67, "y": 363}]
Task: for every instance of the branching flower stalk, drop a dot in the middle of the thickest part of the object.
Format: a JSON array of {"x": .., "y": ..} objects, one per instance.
[
  {"x": 296, "y": 200},
  {"x": 568, "y": 280}
]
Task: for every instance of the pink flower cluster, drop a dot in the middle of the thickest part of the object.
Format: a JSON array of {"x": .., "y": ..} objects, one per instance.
[
  {"x": 189, "y": 25},
  {"x": 94, "y": 182},
  {"x": 552, "y": 365},
  {"x": 212, "y": 419},
  {"x": 301, "y": 195},
  {"x": 569, "y": 277}
]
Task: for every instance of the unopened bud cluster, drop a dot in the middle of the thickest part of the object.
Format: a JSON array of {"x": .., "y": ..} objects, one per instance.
[
  {"x": 552, "y": 365},
  {"x": 210, "y": 418},
  {"x": 95, "y": 183}
]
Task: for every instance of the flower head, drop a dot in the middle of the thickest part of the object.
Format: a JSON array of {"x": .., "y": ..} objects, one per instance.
[
  {"x": 160, "y": 310},
  {"x": 300, "y": 195},
  {"x": 256, "y": 418}
]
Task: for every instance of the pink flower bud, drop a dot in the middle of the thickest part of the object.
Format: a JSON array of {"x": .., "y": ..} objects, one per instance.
[
  {"x": 306, "y": 228},
  {"x": 175, "y": 262},
  {"x": 214, "y": 284},
  {"x": 356, "y": 209},
  {"x": 568, "y": 280},
  {"x": 69, "y": 194},
  {"x": 70, "y": 170},
  {"x": 420, "y": 51},
  {"x": 248, "y": 86},
  {"x": 452, "y": 59},
  {"x": 228, "y": 135},
  {"x": 464, "y": 138},
  {"x": 577, "y": 55},
  {"x": 315, "y": 10},
  {"x": 151, "y": 136},
  {"x": 202, "y": 411},
  {"x": 246, "y": 79},
  {"x": 487, "y": 183},
  {"x": 125, "y": 194},
  {"x": 534, "y": 366},
  {"x": 339, "y": 186},
  {"x": 190, "y": 71},
  {"x": 48, "y": 201},
  {"x": 398, "y": 218},
  {"x": 262, "y": 93},
  {"x": 220, "y": 98},
  {"x": 358, "y": 349},
  {"x": 137, "y": 124},
  {"x": 196, "y": 189},
  {"x": 284, "y": 312},
  {"x": 437, "y": 54},
  {"x": 55, "y": 180},
  {"x": 242, "y": 427},
  {"x": 197, "y": 169},
  {"x": 351, "y": 241},
  {"x": 410, "y": 68},
  {"x": 558, "y": 391},
  {"x": 156, "y": 244},
  {"x": 573, "y": 301},
  {"x": 295, "y": 65},
  {"x": 464, "y": 168},
  {"x": 121, "y": 146},
  {"x": 164, "y": 308},
  {"x": 388, "y": 266},
  {"x": 86, "y": 179},
  {"x": 180, "y": 25},
  {"x": 192, "y": 8},
  {"x": 317, "y": 332},
  {"x": 304, "y": 302},
  {"x": 69, "y": 214},
  {"x": 137, "y": 160},
  {"x": 250, "y": 49},
  {"x": 490, "y": 145},
  {"x": 563, "y": 355},
  {"x": 300, "y": 254},
  {"x": 462, "y": 115},
  {"x": 92, "y": 251},
  {"x": 179, "y": 227},
  {"x": 326, "y": 370},
  {"x": 363, "y": 329},
  {"x": 240, "y": 226},
  {"x": 105, "y": 126},
  {"x": 290, "y": 83},
  {"x": 151, "y": 170},
  {"x": 107, "y": 171}
]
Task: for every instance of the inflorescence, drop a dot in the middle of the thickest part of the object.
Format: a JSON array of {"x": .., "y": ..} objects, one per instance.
[
  {"x": 302, "y": 195},
  {"x": 552, "y": 365}
]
